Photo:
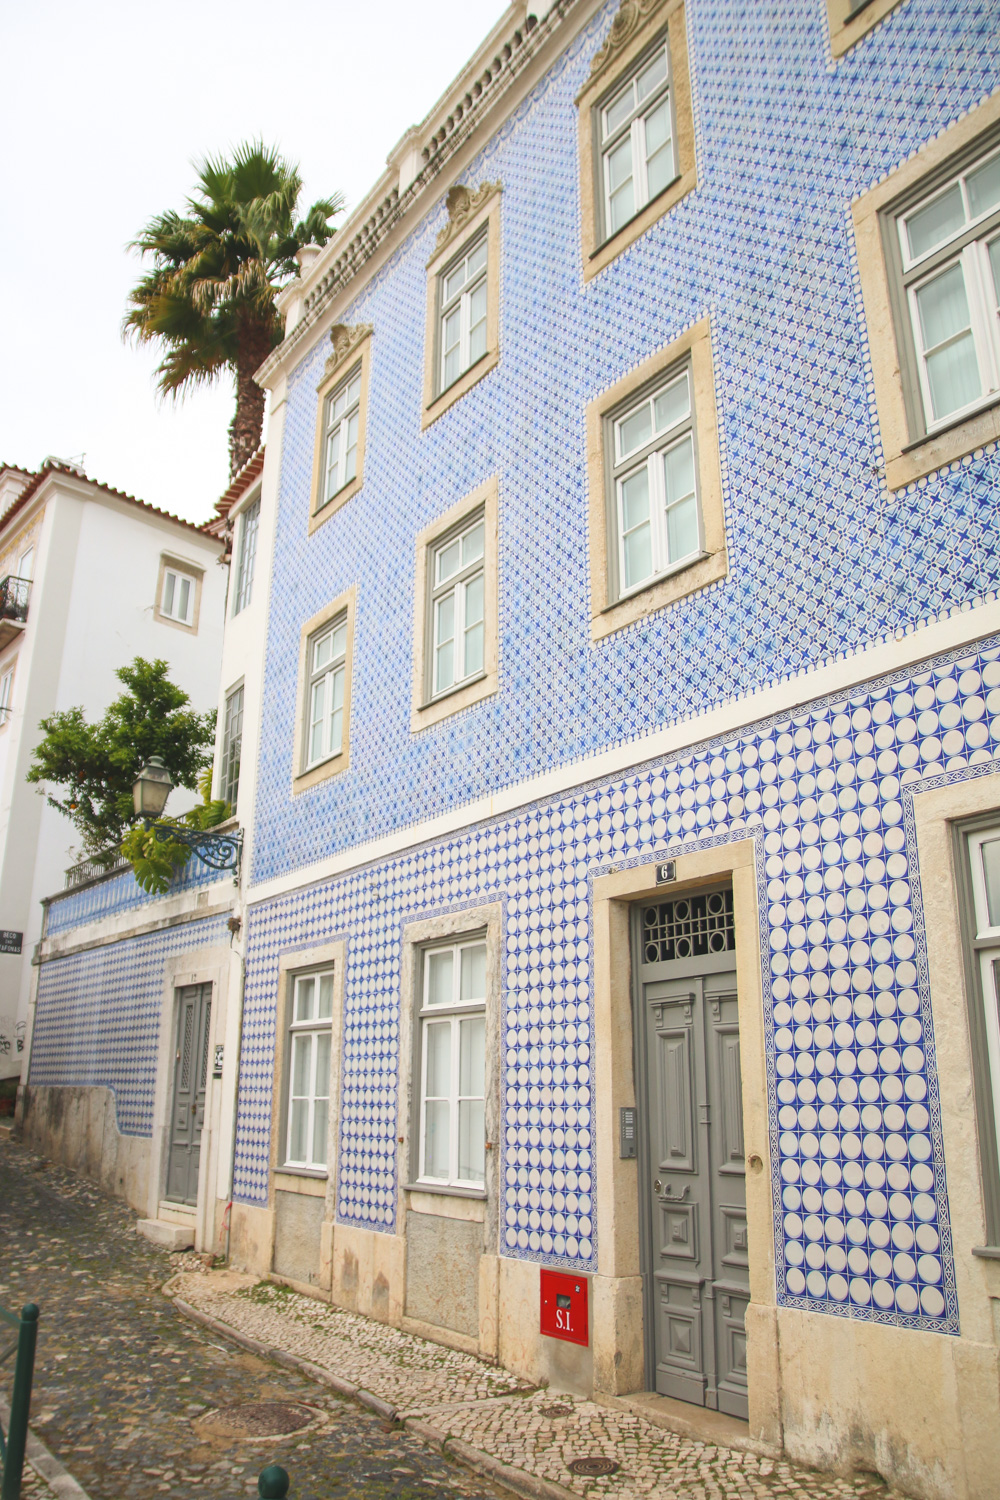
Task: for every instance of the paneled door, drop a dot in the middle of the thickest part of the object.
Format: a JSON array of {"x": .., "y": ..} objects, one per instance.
[
  {"x": 194, "y": 1025},
  {"x": 694, "y": 1187}
]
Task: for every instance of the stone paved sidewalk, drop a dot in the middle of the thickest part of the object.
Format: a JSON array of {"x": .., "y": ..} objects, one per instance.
[{"x": 467, "y": 1402}]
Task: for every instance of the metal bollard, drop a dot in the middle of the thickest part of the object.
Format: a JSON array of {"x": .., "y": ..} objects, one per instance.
[
  {"x": 273, "y": 1483},
  {"x": 20, "y": 1403}
]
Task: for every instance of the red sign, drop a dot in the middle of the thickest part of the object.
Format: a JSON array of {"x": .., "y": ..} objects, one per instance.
[{"x": 564, "y": 1306}]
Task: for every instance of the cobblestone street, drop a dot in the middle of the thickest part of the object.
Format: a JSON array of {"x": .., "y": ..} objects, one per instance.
[
  {"x": 121, "y": 1378},
  {"x": 126, "y": 1386}
]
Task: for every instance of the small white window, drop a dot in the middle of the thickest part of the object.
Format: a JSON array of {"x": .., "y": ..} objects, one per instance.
[
  {"x": 310, "y": 1037},
  {"x": 6, "y": 691},
  {"x": 26, "y": 563},
  {"x": 324, "y": 736},
  {"x": 453, "y": 1065},
  {"x": 637, "y": 145},
  {"x": 657, "y": 517},
  {"x": 232, "y": 745},
  {"x": 249, "y": 526},
  {"x": 463, "y": 313},
  {"x": 177, "y": 600},
  {"x": 457, "y": 598},
  {"x": 950, "y": 245},
  {"x": 984, "y": 849},
  {"x": 343, "y": 409}
]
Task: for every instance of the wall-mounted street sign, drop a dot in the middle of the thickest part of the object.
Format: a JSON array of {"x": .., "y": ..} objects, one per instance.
[
  {"x": 217, "y": 1065},
  {"x": 666, "y": 872},
  {"x": 10, "y": 942}
]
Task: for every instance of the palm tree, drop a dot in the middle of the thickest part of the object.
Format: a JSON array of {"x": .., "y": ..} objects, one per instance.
[{"x": 210, "y": 294}]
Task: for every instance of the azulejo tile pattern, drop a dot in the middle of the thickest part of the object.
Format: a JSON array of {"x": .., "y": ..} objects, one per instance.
[
  {"x": 861, "y": 1218},
  {"x": 822, "y": 559},
  {"x": 97, "y": 1017},
  {"x": 116, "y": 894}
]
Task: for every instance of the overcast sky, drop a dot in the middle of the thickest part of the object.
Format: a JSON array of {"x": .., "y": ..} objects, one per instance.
[{"x": 104, "y": 108}]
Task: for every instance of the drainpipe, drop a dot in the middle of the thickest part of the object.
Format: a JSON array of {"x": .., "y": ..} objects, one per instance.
[{"x": 236, "y": 1099}]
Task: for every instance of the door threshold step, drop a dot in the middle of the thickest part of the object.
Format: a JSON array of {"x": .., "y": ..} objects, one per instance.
[
  {"x": 697, "y": 1422},
  {"x": 170, "y": 1236},
  {"x": 177, "y": 1213}
]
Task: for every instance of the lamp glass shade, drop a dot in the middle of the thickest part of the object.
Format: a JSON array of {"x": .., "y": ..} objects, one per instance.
[{"x": 151, "y": 788}]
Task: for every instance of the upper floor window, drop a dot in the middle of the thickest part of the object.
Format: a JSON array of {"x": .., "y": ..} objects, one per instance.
[
  {"x": 232, "y": 746},
  {"x": 247, "y": 556},
  {"x": 26, "y": 563},
  {"x": 177, "y": 597},
  {"x": 6, "y": 692},
  {"x": 452, "y": 1023},
  {"x": 950, "y": 249},
  {"x": 457, "y": 600},
  {"x": 311, "y": 1038},
  {"x": 637, "y": 147},
  {"x": 463, "y": 313},
  {"x": 656, "y": 485},
  {"x": 343, "y": 417},
  {"x": 326, "y": 693}
]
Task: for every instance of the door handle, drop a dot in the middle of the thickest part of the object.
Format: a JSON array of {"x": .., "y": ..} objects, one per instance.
[
  {"x": 194, "y": 1109},
  {"x": 657, "y": 1186}
]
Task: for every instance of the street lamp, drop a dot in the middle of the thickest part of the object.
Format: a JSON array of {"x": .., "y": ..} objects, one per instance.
[{"x": 150, "y": 790}]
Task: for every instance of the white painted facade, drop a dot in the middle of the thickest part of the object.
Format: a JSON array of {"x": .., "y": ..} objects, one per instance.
[{"x": 96, "y": 563}]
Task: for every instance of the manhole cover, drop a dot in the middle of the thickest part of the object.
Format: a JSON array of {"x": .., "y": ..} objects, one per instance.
[
  {"x": 557, "y": 1411},
  {"x": 592, "y": 1467},
  {"x": 260, "y": 1419}
]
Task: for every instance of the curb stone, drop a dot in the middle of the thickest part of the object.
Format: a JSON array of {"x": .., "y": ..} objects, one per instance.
[
  {"x": 518, "y": 1480},
  {"x": 45, "y": 1464}
]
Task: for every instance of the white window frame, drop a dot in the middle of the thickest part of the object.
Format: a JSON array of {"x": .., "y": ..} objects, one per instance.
[
  {"x": 625, "y": 466},
  {"x": 341, "y": 428},
  {"x": 179, "y": 577},
  {"x": 452, "y": 1014},
  {"x": 456, "y": 586},
  {"x": 26, "y": 563},
  {"x": 6, "y": 694},
  {"x": 634, "y": 126},
  {"x": 987, "y": 940},
  {"x": 232, "y": 745},
  {"x": 462, "y": 299},
  {"x": 247, "y": 558},
  {"x": 330, "y": 674},
  {"x": 314, "y": 1028},
  {"x": 971, "y": 252}
]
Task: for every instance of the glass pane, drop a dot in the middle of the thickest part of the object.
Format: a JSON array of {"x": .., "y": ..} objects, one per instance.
[
  {"x": 337, "y": 680},
  {"x": 953, "y": 376},
  {"x": 449, "y": 560},
  {"x": 682, "y": 530},
  {"x": 991, "y": 872},
  {"x": 437, "y": 1044},
  {"x": 183, "y": 610},
  {"x": 474, "y": 973},
  {"x": 351, "y": 456},
  {"x": 635, "y": 430},
  {"x": 617, "y": 113},
  {"x": 451, "y": 367},
  {"x": 659, "y": 150},
  {"x": 444, "y": 666},
  {"x": 321, "y": 1085},
  {"x": 672, "y": 405},
  {"x": 353, "y": 391},
  {"x": 652, "y": 76},
  {"x": 444, "y": 632},
  {"x": 338, "y": 641},
  {"x": 454, "y": 282},
  {"x": 638, "y": 557},
  {"x": 635, "y": 500},
  {"x": 477, "y": 259},
  {"x": 952, "y": 370},
  {"x": 332, "y": 458},
  {"x": 301, "y": 1065},
  {"x": 304, "y": 994},
  {"x": 936, "y": 223},
  {"x": 621, "y": 195},
  {"x": 477, "y": 323},
  {"x": 983, "y": 187},
  {"x": 636, "y": 530},
  {"x": 169, "y": 579},
  {"x": 322, "y": 651},
  {"x": 436, "y": 1138},
  {"x": 317, "y": 720},
  {"x": 440, "y": 978},
  {"x": 474, "y": 600},
  {"x": 321, "y": 1122},
  {"x": 298, "y": 1131},
  {"x": 471, "y": 1141},
  {"x": 678, "y": 471},
  {"x": 472, "y": 1057},
  {"x": 943, "y": 307},
  {"x": 325, "y": 1010},
  {"x": 472, "y": 545},
  {"x": 474, "y": 649},
  {"x": 994, "y": 254},
  {"x": 444, "y": 628}
]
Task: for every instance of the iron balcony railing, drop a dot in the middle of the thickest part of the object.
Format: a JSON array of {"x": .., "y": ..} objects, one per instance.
[
  {"x": 90, "y": 869},
  {"x": 14, "y": 594}
]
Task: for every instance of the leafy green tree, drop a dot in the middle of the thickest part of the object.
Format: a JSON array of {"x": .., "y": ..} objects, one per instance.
[
  {"x": 156, "y": 861},
  {"x": 88, "y": 769},
  {"x": 216, "y": 271}
]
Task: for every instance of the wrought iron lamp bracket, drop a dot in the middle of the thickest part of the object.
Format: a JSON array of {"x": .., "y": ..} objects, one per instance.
[{"x": 220, "y": 851}]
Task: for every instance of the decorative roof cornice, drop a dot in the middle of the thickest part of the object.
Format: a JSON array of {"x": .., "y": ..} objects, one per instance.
[
  {"x": 449, "y": 137},
  {"x": 345, "y": 338},
  {"x": 630, "y": 16},
  {"x": 67, "y": 471},
  {"x": 463, "y": 204},
  {"x": 241, "y": 483}
]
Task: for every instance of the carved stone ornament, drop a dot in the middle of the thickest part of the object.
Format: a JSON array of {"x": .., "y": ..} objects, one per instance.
[
  {"x": 463, "y": 204},
  {"x": 631, "y": 15},
  {"x": 345, "y": 339}
]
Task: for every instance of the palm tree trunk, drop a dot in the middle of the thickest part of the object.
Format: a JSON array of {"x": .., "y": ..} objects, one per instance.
[{"x": 256, "y": 341}]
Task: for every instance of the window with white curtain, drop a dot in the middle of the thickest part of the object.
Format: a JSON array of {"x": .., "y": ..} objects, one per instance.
[
  {"x": 462, "y": 329},
  {"x": 177, "y": 598},
  {"x": 247, "y": 557},
  {"x": 637, "y": 141},
  {"x": 457, "y": 607},
  {"x": 452, "y": 1022},
  {"x": 949, "y": 244},
  {"x": 343, "y": 416},
  {"x": 324, "y": 703},
  {"x": 309, "y": 1045}
]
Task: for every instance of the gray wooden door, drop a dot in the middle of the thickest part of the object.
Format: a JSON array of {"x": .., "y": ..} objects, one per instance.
[
  {"x": 694, "y": 1187},
  {"x": 194, "y": 1024}
]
